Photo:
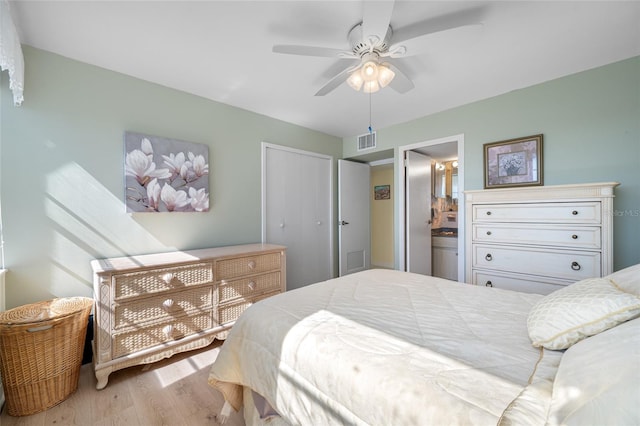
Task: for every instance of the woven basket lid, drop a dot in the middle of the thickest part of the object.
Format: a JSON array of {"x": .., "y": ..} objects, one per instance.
[{"x": 44, "y": 311}]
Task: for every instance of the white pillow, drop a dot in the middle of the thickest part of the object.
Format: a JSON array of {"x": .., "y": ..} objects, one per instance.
[
  {"x": 580, "y": 310},
  {"x": 628, "y": 279},
  {"x": 597, "y": 380}
]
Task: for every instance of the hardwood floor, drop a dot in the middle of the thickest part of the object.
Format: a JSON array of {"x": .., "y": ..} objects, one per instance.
[{"x": 170, "y": 392}]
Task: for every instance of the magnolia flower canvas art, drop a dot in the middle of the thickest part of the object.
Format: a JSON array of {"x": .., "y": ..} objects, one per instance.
[{"x": 165, "y": 175}]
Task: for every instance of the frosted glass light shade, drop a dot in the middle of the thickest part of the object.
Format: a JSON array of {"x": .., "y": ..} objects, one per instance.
[
  {"x": 370, "y": 71},
  {"x": 385, "y": 75},
  {"x": 355, "y": 80},
  {"x": 371, "y": 86}
]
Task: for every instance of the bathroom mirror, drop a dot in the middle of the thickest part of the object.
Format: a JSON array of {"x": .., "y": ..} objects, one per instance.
[{"x": 445, "y": 180}]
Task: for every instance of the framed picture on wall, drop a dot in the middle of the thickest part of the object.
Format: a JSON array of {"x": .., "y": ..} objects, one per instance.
[
  {"x": 165, "y": 175},
  {"x": 513, "y": 162},
  {"x": 382, "y": 192}
]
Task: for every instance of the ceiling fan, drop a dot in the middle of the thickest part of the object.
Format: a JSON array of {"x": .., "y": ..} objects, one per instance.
[{"x": 374, "y": 44}]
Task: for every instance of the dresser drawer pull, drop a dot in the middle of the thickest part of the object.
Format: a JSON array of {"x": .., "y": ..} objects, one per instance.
[
  {"x": 167, "y": 330},
  {"x": 168, "y": 277},
  {"x": 574, "y": 236},
  {"x": 575, "y": 266},
  {"x": 488, "y": 232},
  {"x": 168, "y": 305},
  {"x": 575, "y": 212},
  {"x": 489, "y": 257},
  {"x": 488, "y": 284},
  {"x": 251, "y": 264},
  {"x": 489, "y": 213},
  {"x": 251, "y": 285}
]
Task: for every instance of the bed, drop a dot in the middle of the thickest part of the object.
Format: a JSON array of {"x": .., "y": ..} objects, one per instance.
[{"x": 389, "y": 347}]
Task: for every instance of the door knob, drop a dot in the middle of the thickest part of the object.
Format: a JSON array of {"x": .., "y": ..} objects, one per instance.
[{"x": 342, "y": 222}]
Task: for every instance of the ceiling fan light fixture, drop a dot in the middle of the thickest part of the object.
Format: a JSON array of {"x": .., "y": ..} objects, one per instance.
[
  {"x": 371, "y": 86},
  {"x": 385, "y": 75},
  {"x": 370, "y": 71},
  {"x": 355, "y": 80}
]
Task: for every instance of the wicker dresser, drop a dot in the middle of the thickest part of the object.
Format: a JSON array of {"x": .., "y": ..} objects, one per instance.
[
  {"x": 538, "y": 239},
  {"x": 153, "y": 306}
]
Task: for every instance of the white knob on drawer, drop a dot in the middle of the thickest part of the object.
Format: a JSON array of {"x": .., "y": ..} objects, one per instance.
[
  {"x": 251, "y": 285},
  {"x": 251, "y": 264},
  {"x": 168, "y": 331},
  {"x": 168, "y": 305},
  {"x": 168, "y": 277}
]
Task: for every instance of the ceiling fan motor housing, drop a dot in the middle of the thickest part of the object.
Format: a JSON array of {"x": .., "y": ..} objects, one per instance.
[{"x": 361, "y": 45}]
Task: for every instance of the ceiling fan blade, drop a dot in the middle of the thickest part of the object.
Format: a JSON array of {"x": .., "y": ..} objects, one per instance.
[
  {"x": 376, "y": 16},
  {"x": 414, "y": 39},
  {"x": 420, "y": 44},
  {"x": 336, "y": 81},
  {"x": 400, "y": 83},
  {"x": 325, "y": 52}
]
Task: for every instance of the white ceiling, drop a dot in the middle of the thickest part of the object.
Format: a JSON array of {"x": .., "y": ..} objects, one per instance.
[{"x": 221, "y": 50}]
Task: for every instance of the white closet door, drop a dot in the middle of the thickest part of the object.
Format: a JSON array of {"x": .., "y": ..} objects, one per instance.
[
  {"x": 297, "y": 211},
  {"x": 354, "y": 210}
]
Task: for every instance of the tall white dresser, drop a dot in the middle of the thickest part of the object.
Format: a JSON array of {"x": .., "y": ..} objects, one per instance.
[
  {"x": 538, "y": 239},
  {"x": 150, "y": 307}
]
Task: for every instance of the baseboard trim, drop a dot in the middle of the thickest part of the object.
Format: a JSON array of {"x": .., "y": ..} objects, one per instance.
[{"x": 380, "y": 266}]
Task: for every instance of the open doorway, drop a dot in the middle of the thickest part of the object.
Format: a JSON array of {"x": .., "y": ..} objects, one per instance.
[
  {"x": 443, "y": 151},
  {"x": 383, "y": 197}
]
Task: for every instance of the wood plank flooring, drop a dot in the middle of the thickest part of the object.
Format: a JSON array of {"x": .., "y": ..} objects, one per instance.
[{"x": 170, "y": 392}]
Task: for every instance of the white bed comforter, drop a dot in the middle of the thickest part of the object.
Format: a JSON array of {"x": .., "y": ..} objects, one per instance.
[{"x": 382, "y": 347}]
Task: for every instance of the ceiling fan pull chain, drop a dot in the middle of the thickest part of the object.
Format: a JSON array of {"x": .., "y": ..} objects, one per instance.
[{"x": 370, "y": 128}]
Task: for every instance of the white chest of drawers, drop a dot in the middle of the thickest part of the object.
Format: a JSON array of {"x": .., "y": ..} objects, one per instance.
[
  {"x": 537, "y": 239},
  {"x": 151, "y": 307}
]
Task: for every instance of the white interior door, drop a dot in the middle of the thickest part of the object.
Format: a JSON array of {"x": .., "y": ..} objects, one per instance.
[
  {"x": 297, "y": 211},
  {"x": 418, "y": 212},
  {"x": 353, "y": 216}
]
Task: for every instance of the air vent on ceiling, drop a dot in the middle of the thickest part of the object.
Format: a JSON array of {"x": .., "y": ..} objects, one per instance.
[{"x": 367, "y": 141}]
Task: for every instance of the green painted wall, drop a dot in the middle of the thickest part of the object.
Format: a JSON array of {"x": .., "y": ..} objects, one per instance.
[
  {"x": 591, "y": 127},
  {"x": 61, "y": 177},
  {"x": 61, "y": 161}
]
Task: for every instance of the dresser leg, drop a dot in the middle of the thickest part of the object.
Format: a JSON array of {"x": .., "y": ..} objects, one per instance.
[{"x": 102, "y": 376}]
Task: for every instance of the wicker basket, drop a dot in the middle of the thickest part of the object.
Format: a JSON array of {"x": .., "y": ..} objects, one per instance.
[{"x": 41, "y": 348}]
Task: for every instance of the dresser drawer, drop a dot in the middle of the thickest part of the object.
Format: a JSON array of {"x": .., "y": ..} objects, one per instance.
[
  {"x": 153, "y": 281},
  {"x": 231, "y": 311},
  {"x": 250, "y": 287},
  {"x": 146, "y": 337},
  {"x": 234, "y": 268},
  {"x": 577, "y": 237},
  {"x": 162, "y": 307},
  {"x": 587, "y": 213},
  {"x": 551, "y": 263},
  {"x": 516, "y": 282}
]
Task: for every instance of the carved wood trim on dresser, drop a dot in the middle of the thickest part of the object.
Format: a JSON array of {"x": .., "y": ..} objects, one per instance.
[
  {"x": 538, "y": 239},
  {"x": 150, "y": 307}
]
